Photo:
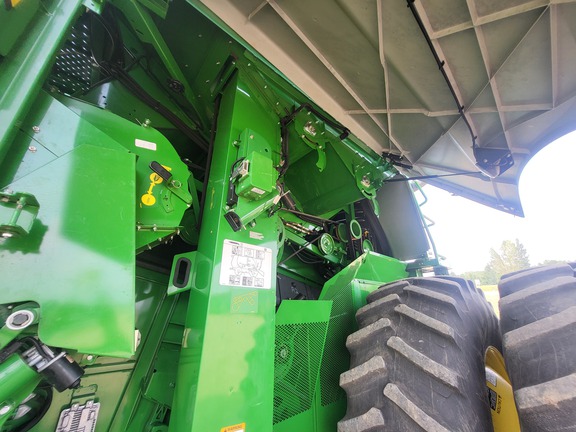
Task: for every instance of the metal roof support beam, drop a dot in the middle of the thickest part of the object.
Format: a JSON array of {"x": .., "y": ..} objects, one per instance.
[
  {"x": 554, "y": 51},
  {"x": 486, "y": 60},
  {"x": 492, "y": 74},
  {"x": 258, "y": 9},
  {"x": 428, "y": 27},
  {"x": 477, "y": 110},
  {"x": 384, "y": 67},
  {"x": 318, "y": 53},
  {"x": 497, "y": 16}
]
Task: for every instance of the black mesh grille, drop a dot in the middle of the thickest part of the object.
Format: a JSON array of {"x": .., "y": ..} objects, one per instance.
[{"x": 72, "y": 71}]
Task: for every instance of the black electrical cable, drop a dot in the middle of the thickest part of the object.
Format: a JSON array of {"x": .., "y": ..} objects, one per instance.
[
  {"x": 38, "y": 347},
  {"x": 137, "y": 90},
  {"x": 308, "y": 217},
  {"x": 113, "y": 66},
  {"x": 192, "y": 165},
  {"x": 236, "y": 162},
  {"x": 426, "y": 177},
  {"x": 441, "y": 64}
]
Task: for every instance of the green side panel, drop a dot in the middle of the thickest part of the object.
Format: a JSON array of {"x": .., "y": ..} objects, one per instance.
[
  {"x": 348, "y": 291},
  {"x": 300, "y": 335},
  {"x": 81, "y": 246},
  {"x": 56, "y": 126},
  {"x": 159, "y": 204}
]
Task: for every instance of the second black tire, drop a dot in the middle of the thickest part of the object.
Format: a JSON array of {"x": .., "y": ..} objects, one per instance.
[
  {"x": 417, "y": 361},
  {"x": 538, "y": 320}
]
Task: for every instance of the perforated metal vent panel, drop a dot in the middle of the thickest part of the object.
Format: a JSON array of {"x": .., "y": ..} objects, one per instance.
[
  {"x": 297, "y": 358},
  {"x": 73, "y": 68}
]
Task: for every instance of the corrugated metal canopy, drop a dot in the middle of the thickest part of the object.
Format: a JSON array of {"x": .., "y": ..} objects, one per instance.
[{"x": 367, "y": 63}]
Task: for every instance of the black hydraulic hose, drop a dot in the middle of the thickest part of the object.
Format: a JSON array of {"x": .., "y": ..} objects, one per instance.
[
  {"x": 137, "y": 90},
  {"x": 441, "y": 64}
]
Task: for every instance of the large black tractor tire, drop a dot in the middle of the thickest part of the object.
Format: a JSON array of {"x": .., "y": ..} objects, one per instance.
[
  {"x": 417, "y": 361},
  {"x": 538, "y": 321}
]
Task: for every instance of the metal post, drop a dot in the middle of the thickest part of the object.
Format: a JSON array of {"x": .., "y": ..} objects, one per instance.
[{"x": 226, "y": 370}]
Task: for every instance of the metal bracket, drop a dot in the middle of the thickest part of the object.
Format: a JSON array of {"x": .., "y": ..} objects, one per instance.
[{"x": 18, "y": 212}]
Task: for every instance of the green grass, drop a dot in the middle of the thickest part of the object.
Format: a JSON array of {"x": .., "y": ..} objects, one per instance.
[{"x": 492, "y": 295}]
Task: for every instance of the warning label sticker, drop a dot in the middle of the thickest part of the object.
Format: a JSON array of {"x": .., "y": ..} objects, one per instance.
[
  {"x": 246, "y": 266},
  {"x": 491, "y": 377},
  {"x": 235, "y": 428}
]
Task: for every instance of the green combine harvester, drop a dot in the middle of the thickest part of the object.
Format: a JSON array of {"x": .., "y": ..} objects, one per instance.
[{"x": 210, "y": 215}]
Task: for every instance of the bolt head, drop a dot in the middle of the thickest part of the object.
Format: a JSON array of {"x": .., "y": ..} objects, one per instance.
[
  {"x": 35, "y": 129},
  {"x": 20, "y": 319},
  {"x": 32, "y": 149},
  {"x": 4, "y": 409}
]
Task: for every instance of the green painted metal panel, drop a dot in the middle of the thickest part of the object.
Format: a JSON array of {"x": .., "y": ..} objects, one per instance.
[
  {"x": 55, "y": 126},
  {"x": 117, "y": 383},
  {"x": 225, "y": 374},
  {"x": 82, "y": 247},
  {"x": 14, "y": 22},
  {"x": 23, "y": 70},
  {"x": 159, "y": 204},
  {"x": 347, "y": 290},
  {"x": 300, "y": 335}
]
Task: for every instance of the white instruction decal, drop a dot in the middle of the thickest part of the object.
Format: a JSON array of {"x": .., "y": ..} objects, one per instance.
[
  {"x": 145, "y": 144},
  {"x": 256, "y": 235},
  {"x": 246, "y": 266},
  {"x": 491, "y": 377}
]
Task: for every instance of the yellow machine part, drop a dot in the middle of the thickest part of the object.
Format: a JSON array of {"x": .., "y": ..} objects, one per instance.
[{"x": 500, "y": 393}]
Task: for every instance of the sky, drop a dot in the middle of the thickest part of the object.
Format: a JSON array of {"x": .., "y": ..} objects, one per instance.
[{"x": 465, "y": 233}]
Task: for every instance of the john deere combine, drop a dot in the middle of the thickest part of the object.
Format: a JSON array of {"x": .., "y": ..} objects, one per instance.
[{"x": 210, "y": 215}]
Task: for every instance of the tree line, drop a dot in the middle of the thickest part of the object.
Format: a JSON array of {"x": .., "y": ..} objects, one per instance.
[{"x": 511, "y": 256}]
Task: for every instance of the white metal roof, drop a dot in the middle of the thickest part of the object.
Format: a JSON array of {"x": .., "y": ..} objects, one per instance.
[{"x": 512, "y": 64}]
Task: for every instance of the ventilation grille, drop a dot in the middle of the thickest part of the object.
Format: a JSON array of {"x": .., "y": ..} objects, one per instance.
[
  {"x": 72, "y": 71},
  {"x": 336, "y": 359},
  {"x": 298, "y": 349}
]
